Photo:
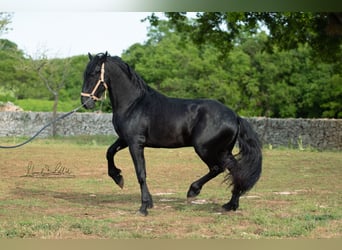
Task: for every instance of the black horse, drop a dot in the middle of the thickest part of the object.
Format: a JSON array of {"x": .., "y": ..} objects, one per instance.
[{"x": 143, "y": 117}]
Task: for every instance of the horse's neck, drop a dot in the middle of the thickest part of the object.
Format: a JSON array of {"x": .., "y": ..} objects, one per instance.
[{"x": 123, "y": 93}]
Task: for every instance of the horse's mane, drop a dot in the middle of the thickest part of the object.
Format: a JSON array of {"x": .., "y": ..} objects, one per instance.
[
  {"x": 130, "y": 72},
  {"x": 136, "y": 80}
]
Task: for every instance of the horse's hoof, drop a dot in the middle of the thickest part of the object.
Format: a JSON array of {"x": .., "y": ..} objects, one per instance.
[
  {"x": 121, "y": 183},
  {"x": 189, "y": 200},
  {"x": 119, "y": 180},
  {"x": 230, "y": 207},
  {"x": 192, "y": 193},
  {"x": 142, "y": 212}
]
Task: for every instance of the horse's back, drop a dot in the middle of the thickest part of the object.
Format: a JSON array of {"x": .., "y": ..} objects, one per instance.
[{"x": 177, "y": 122}]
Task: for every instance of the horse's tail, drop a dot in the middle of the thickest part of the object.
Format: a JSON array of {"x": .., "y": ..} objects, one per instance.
[{"x": 249, "y": 160}]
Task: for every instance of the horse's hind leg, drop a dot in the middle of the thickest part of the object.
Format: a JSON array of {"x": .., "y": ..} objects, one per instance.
[
  {"x": 113, "y": 171},
  {"x": 195, "y": 187},
  {"x": 224, "y": 161},
  {"x": 215, "y": 168},
  {"x": 233, "y": 204},
  {"x": 231, "y": 165}
]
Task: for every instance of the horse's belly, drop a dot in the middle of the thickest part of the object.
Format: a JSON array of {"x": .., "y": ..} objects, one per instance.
[{"x": 168, "y": 138}]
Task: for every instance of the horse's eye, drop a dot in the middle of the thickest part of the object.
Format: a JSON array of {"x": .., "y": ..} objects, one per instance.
[{"x": 97, "y": 69}]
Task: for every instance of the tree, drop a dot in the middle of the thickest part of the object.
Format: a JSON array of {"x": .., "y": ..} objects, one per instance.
[
  {"x": 53, "y": 73},
  {"x": 176, "y": 68},
  {"x": 331, "y": 97},
  {"x": 287, "y": 30},
  {"x": 5, "y": 20},
  {"x": 16, "y": 81},
  {"x": 75, "y": 67},
  {"x": 284, "y": 83}
]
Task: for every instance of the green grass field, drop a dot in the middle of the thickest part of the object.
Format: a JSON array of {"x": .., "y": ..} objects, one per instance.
[
  {"x": 59, "y": 189},
  {"x": 35, "y": 105}
]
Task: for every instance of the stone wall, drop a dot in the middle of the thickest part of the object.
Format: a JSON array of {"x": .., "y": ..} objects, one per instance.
[
  {"x": 28, "y": 123},
  {"x": 315, "y": 133}
]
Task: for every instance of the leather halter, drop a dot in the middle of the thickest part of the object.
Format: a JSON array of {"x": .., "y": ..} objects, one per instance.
[{"x": 99, "y": 82}]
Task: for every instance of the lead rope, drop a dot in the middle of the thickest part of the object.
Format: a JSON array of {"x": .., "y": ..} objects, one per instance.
[
  {"x": 91, "y": 97},
  {"x": 47, "y": 125}
]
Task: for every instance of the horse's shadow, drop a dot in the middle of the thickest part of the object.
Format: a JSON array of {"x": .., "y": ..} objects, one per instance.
[
  {"x": 81, "y": 198},
  {"x": 118, "y": 201}
]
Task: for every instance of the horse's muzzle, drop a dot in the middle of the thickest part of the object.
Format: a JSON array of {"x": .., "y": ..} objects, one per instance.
[{"x": 87, "y": 102}]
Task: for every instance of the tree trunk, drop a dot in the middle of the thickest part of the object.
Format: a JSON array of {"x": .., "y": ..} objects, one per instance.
[{"x": 54, "y": 114}]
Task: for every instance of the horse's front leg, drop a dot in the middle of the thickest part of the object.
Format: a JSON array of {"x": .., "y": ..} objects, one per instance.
[
  {"x": 137, "y": 153},
  {"x": 113, "y": 171}
]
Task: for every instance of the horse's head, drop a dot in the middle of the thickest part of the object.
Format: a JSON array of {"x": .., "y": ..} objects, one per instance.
[{"x": 94, "y": 84}]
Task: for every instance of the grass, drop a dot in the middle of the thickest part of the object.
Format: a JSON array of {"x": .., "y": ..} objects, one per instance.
[
  {"x": 37, "y": 105},
  {"x": 298, "y": 195}
]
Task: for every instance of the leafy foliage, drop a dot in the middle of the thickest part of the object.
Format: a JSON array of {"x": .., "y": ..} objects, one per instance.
[
  {"x": 5, "y": 19},
  {"x": 290, "y": 69},
  {"x": 20, "y": 80},
  {"x": 285, "y": 83},
  {"x": 287, "y": 30}
]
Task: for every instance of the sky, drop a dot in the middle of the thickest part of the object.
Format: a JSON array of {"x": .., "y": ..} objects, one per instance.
[{"x": 68, "y": 33}]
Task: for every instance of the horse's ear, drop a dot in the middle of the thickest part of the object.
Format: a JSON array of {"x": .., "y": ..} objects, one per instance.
[
  {"x": 105, "y": 55},
  {"x": 90, "y": 56}
]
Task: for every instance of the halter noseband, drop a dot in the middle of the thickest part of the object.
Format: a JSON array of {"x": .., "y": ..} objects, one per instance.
[{"x": 99, "y": 82}]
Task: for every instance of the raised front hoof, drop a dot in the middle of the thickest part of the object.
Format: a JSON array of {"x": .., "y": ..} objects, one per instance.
[
  {"x": 190, "y": 200},
  {"x": 192, "y": 193},
  {"x": 119, "y": 180},
  {"x": 230, "y": 206}
]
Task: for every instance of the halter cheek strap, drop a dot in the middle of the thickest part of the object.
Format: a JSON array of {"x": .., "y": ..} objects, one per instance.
[{"x": 99, "y": 82}]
